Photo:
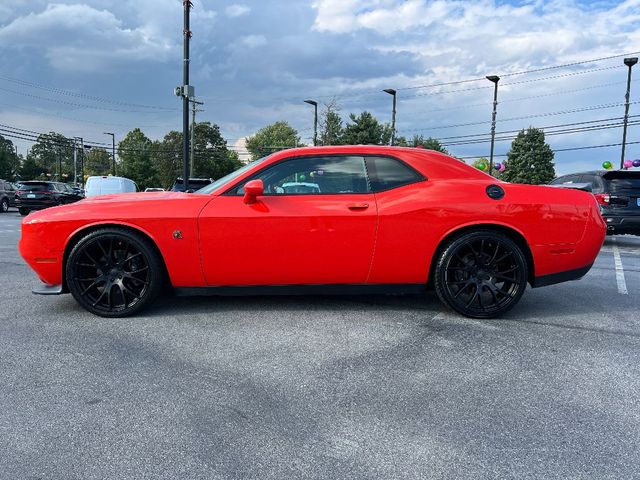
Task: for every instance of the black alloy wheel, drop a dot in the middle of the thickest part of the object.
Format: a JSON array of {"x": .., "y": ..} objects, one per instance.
[
  {"x": 481, "y": 274},
  {"x": 23, "y": 211},
  {"x": 114, "y": 272},
  {"x": 4, "y": 205}
]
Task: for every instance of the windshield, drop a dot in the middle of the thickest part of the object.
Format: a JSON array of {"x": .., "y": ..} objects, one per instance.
[
  {"x": 37, "y": 187},
  {"x": 230, "y": 177}
]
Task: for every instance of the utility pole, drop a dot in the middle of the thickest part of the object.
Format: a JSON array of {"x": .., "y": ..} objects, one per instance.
[
  {"x": 629, "y": 62},
  {"x": 494, "y": 79},
  {"x": 185, "y": 96},
  {"x": 194, "y": 104},
  {"x": 113, "y": 152},
  {"x": 75, "y": 160}
]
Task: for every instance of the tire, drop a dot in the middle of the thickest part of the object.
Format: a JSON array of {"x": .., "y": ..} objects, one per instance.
[
  {"x": 481, "y": 274},
  {"x": 23, "y": 211},
  {"x": 114, "y": 272},
  {"x": 4, "y": 205}
]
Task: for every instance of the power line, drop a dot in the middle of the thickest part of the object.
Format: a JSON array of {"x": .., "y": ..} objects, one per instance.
[
  {"x": 524, "y": 117},
  {"x": 61, "y": 91},
  {"x": 587, "y": 147}
]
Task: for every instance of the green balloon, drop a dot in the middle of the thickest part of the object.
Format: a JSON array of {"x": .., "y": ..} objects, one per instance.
[
  {"x": 483, "y": 166},
  {"x": 607, "y": 165}
]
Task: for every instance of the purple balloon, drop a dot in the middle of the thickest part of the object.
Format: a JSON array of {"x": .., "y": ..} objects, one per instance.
[
  {"x": 636, "y": 163},
  {"x": 627, "y": 164},
  {"x": 497, "y": 166}
]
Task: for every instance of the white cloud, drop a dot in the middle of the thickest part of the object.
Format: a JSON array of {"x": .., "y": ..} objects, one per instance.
[
  {"x": 237, "y": 10},
  {"x": 80, "y": 37},
  {"x": 253, "y": 41}
]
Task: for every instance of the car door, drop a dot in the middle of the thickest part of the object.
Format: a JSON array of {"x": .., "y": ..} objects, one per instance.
[{"x": 315, "y": 224}]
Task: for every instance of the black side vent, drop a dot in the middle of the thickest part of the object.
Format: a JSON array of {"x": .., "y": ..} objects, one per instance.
[{"x": 495, "y": 191}]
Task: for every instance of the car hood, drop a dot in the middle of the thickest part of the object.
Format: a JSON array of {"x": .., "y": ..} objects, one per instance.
[
  {"x": 122, "y": 207},
  {"x": 134, "y": 197}
]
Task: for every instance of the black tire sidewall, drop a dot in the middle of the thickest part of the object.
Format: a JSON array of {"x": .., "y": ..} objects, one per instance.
[
  {"x": 439, "y": 276},
  {"x": 23, "y": 211},
  {"x": 4, "y": 205},
  {"x": 156, "y": 275}
]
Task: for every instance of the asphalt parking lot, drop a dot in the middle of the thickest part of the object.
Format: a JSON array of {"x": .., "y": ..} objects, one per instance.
[{"x": 323, "y": 387}]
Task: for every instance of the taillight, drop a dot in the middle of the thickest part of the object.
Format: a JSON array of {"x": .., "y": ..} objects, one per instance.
[{"x": 603, "y": 198}]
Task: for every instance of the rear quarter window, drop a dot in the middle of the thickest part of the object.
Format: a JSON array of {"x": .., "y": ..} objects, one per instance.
[{"x": 386, "y": 173}]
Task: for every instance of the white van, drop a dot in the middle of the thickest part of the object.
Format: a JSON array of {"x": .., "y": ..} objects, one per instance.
[{"x": 106, "y": 185}]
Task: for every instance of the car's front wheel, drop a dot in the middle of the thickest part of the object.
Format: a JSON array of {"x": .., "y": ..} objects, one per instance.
[
  {"x": 4, "y": 205},
  {"x": 23, "y": 211},
  {"x": 114, "y": 272},
  {"x": 481, "y": 274}
]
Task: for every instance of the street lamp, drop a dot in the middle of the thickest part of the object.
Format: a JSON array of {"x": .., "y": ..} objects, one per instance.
[
  {"x": 113, "y": 152},
  {"x": 392, "y": 92},
  {"x": 495, "y": 79},
  {"x": 629, "y": 62},
  {"x": 315, "y": 120}
]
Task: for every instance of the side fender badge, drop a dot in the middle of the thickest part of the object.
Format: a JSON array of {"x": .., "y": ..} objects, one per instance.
[{"x": 177, "y": 235}]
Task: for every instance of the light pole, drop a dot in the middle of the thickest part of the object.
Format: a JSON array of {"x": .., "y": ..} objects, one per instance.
[
  {"x": 392, "y": 92},
  {"x": 495, "y": 79},
  {"x": 629, "y": 62},
  {"x": 315, "y": 120},
  {"x": 113, "y": 152}
]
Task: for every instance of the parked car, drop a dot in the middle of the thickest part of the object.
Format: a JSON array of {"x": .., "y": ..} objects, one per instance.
[
  {"x": 154, "y": 189},
  {"x": 38, "y": 195},
  {"x": 617, "y": 192},
  {"x": 386, "y": 219},
  {"x": 194, "y": 184},
  {"x": 7, "y": 196},
  {"x": 106, "y": 185}
]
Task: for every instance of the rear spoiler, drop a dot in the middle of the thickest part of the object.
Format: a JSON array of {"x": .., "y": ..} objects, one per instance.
[{"x": 585, "y": 187}]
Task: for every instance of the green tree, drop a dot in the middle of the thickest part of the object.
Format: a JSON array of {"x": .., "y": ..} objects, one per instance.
[
  {"x": 135, "y": 152},
  {"x": 53, "y": 153},
  {"x": 530, "y": 159},
  {"x": 30, "y": 170},
  {"x": 331, "y": 129},
  {"x": 9, "y": 161},
  {"x": 365, "y": 129},
  {"x": 168, "y": 158},
  {"x": 429, "y": 143},
  {"x": 272, "y": 138},
  {"x": 212, "y": 158},
  {"x": 97, "y": 162}
]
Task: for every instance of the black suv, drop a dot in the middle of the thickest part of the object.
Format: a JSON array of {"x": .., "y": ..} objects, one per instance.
[
  {"x": 617, "y": 192},
  {"x": 7, "y": 196},
  {"x": 194, "y": 184},
  {"x": 36, "y": 195}
]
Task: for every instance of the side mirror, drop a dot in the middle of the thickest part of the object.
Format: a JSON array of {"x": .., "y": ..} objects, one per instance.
[{"x": 253, "y": 189}]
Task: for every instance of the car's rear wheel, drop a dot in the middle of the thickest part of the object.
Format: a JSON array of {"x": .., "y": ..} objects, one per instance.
[
  {"x": 4, "y": 205},
  {"x": 114, "y": 272},
  {"x": 23, "y": 211},
  {"x": 481, "y": 274}
]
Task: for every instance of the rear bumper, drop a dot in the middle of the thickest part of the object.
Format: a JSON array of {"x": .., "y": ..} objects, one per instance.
[
  {"x": 622, "y": 224},
  {"x": 37, "y": 205},
  {"x": 552, "y": 279}
]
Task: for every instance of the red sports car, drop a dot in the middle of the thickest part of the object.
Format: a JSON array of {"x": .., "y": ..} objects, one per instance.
[{"x": 351, "y": 219}]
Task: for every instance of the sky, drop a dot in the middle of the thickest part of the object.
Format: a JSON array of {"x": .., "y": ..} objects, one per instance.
[{"x": 83, "y": 68}]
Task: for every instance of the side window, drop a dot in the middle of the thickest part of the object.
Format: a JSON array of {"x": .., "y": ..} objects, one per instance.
[
  {"x": 597, "y": 185},
  {"x": 386, "y": 173},
  {"x": 313, "y": 176}
]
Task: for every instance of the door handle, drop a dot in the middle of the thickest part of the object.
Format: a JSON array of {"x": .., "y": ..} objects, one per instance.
[{"x": 358, "y": 206}]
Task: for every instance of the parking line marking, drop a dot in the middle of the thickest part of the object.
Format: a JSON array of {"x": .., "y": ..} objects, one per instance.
[{"x": 622, "y": 284}]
